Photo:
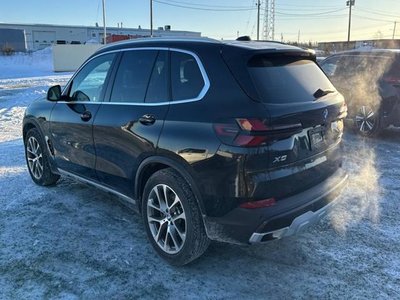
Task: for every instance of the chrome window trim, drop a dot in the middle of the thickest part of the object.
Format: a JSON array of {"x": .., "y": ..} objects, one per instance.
[{"x": 201, "y": 95}]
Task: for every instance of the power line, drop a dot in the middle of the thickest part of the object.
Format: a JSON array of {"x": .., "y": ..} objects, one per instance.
[
  {"x": 209, "y": 8},
  {"x": 372, "y": 19},
  {"x": 310, "y": 14},
  {"x": 377, "y": 13},
  {"x": 280, "y": 5},
  {"x": 209, "y": 5}
]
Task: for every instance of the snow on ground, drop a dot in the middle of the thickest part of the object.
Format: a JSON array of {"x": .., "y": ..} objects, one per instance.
[
  {"x": 73, "y": 241},
  {"x": 23, "y": 91}
]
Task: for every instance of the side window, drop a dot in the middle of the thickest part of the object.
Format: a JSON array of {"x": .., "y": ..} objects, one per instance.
[
  {"x": 89, "y": 82},
  {"x": 133, "y": 76},
  {"x": 330, "y": 65},
  {"x": 186, "y": 79},
  {"x": 158, "y": 90}
]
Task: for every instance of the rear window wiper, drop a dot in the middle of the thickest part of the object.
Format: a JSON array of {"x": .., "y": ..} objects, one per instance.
[{"x": 320, "y": 93}]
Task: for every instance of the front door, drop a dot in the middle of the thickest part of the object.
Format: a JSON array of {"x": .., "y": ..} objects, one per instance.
[
  {"x": 72, "y": 119},
  {"x": 127, "y": 128}
]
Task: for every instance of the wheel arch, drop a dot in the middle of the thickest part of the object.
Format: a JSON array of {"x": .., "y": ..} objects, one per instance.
[
  {"x": 28, "y": 125},
  {"x": 153, "y": 164}
]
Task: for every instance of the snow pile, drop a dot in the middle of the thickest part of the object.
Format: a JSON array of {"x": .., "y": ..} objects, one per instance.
[
  {"x": 16, "y": 95},
  {"x": 39, "y": 63}
]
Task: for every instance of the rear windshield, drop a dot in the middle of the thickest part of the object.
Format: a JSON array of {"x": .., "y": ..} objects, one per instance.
[{"x": 287, "y": 79}]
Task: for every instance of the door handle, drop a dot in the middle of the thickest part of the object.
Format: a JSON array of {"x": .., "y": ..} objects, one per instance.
[
  {"x": 147, "y": 119},
  {"x": 86, "y": 116}
]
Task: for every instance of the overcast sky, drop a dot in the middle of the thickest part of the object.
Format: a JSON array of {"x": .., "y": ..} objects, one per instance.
[{"x": 317, "y": 20}]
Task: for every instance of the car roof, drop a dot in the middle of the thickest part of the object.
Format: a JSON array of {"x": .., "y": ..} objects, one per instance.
[{"x": 190, "y": 41}]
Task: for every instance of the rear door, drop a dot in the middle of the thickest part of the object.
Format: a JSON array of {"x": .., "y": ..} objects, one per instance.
[
  {"x": 127, "y": 128},
  {"x": 72, "y": 120}
]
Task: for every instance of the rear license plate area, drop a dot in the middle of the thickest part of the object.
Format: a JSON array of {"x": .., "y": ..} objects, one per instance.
[{"x": 316, "y": 136}]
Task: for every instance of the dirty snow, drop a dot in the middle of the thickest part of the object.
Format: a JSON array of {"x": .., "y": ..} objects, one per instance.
[{"x": 73, "y": 241}]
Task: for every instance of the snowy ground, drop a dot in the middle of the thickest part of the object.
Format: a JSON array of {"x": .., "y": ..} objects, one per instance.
[{"x": 73, "y": 241}]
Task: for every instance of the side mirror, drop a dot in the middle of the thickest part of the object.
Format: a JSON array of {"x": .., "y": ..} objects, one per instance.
[{"x": 54, "y": 93}]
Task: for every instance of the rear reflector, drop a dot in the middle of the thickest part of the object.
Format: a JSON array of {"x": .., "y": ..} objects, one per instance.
[{"x": 258, "y": 204}]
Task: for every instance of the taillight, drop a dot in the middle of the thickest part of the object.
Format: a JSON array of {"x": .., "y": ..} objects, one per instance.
[
  {"x": 252, "y": 124},
  {"x": 252, "y": 132},
  {"x": 258, "y": 204}
]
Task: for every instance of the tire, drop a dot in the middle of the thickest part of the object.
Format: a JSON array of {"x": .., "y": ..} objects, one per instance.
[
  {"x": 367, "y": 121},
  {"x": 37, "y": 159},
  {"x": 174, "y": 227}
]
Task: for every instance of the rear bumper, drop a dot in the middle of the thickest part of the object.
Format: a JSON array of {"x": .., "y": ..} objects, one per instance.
[
  {"x": 298, "y": 225},
  {"x": 288, "y": 217}
]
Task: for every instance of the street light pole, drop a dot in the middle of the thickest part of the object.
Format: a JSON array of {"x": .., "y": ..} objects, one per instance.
[
  {"x": 151, "y": 18},
  {"x": 394, "y": 30},
  {"x": 350, "y": 4},
  {"x": 104, "y": 22}
]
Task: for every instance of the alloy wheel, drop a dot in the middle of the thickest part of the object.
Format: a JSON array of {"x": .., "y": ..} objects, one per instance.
[
  {"x": 365, "y": 119},
  {"x": 166, "y": 218},
  {"x": 34, "y": 157}
]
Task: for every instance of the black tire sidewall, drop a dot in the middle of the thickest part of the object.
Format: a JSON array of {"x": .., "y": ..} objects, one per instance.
[
  {"x": 48, "y": 177},
  {"x": 192, "y": 213}
]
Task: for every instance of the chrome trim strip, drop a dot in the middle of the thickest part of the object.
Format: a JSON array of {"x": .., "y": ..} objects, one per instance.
[
  {"x": 203, "y": 72},
  {"x": 102, "y": 187},
  {"x": 300, "y": 222}
]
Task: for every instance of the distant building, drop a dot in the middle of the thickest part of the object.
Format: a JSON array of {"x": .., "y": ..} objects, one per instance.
[
  {"x": 13, "y": 39},
  {"x": 332, "y": 47},
  {"x": 39, "y": 36}
]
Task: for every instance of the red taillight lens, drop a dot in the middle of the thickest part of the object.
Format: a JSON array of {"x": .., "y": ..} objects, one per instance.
[
  {"x": 246, "y": 132},
  {"x": 250, "y": 140},
  {"x": 258, "y": 204},
  {"x": 242, "y": 132}
]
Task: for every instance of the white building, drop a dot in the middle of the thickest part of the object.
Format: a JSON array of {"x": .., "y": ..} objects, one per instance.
[{"x": 39, "y": 36}]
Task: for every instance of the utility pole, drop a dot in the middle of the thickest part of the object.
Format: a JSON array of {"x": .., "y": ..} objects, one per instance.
[
  {"x": 394, "y": 30},
  {"x": 151, "y": 18},
  {"x": 258, "y": 19},
  {"x": 350, "y": 4},
  {"x": 104, "y": 22}
]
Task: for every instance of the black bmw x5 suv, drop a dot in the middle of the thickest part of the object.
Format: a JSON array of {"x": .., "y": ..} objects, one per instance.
[{"x": 231, "y": 141}]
